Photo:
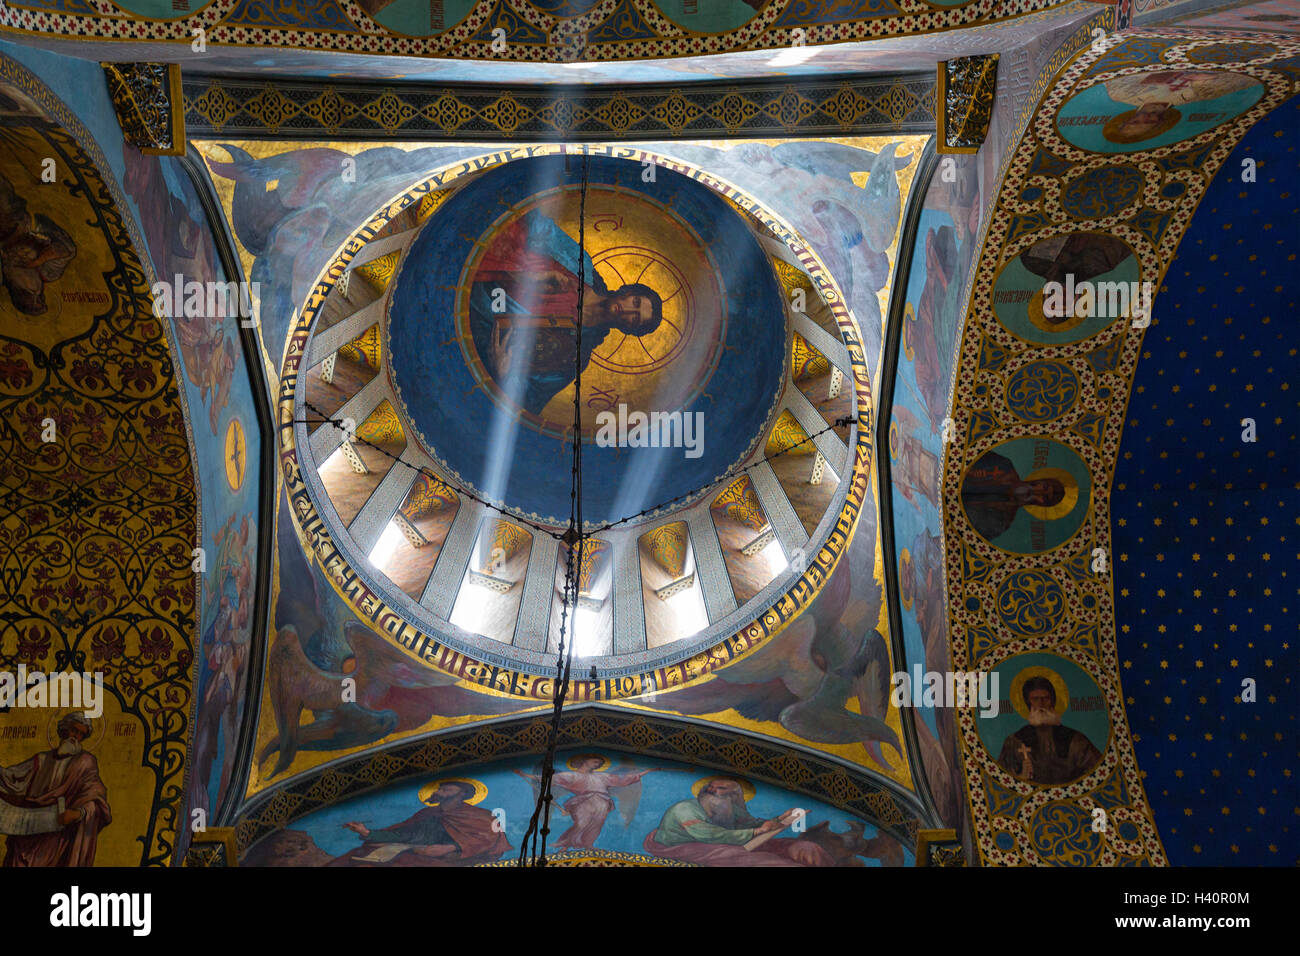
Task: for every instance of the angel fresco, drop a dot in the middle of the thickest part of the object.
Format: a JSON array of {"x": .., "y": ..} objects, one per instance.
[
  {"x": 850, "y": 227},
  {"x": 180, "y": 244},
  {"x": 595, "y": 791},
  {"x": 225, "y": 658},
  {"x": 292, "y": 209},
  {"x": 805, "y": 678}
]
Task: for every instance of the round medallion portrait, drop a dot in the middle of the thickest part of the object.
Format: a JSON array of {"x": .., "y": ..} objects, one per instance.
[
  {"x": 1027, "y": 495},
  {"x": 652, "y": 287},
  {"x": 1144, "y": 111},
  {"x": 1052, "y": 726},
  {"x": 653, "y": 314},
  {"x": 1069, "y": 287}
]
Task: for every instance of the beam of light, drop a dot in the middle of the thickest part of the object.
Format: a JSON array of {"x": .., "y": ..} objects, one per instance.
[
  {"x": 586, "y": 633},
  {"x": 688, "y": 607},
  {"x": 793, "y": 56},
  {"x": 383, "y": 550},
  {"x": 504, "y": 428},
  {"x": 775, "y": 558},
  {"x": 470, "y": 609}
]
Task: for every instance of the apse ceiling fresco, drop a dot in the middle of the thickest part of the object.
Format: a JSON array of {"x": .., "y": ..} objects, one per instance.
[{"x": 836, "y": 423}]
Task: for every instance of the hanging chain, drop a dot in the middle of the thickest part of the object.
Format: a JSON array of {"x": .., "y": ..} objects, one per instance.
[{"x": 574, "y": 540}]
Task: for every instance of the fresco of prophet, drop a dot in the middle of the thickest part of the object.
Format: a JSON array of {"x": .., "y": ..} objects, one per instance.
[
  {"x": 447, "y": 831},
  {"x": 1156, "y": 96},
  {"x": 34, "y": 250},
  {"x": 1044, "y": 750}
]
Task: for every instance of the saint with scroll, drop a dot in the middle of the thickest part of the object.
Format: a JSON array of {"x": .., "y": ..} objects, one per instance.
[
  {"x": 53, "y": 806},
  {"x": 449, "y": 830},
  {"x": 717, "y": 829}
]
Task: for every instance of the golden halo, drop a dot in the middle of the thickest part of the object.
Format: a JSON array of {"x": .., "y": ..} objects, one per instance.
[
  {"x": 97, "y": 728},
  {"x": 746, "y": 788},
  {"x": 1039, "y": 318},
  {"x": 480, "y": 789},
  {"x": 1058, "y": 685},
  {"x": 604, "y": 761},
  {"x": 909, "y": 316},
  {"x": 1067, "y": 502},
  {"x": 895, "y": 440},
  {"x": 906, "y": 581}
]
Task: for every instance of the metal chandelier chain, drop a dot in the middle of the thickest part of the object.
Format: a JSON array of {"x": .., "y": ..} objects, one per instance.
[
  {"x": 574, "y": 539},
  {"x": 547, "y": 530}
]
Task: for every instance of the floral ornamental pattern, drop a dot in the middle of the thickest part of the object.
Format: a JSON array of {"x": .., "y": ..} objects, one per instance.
[
  {"x": 1055, "y": 601},
  {"x": 632, "y": 29},
  {"x": 805, "y": 361},
  {"x": 966, "y": 88},
  {"x": 739, "y": 502},
  {"x": 100, "y": 500},
  {"x": 221, "y": 107},
  {"x": 1042, "y": 391},
  {"x": 788, "y": 437},
  {"x": 427, "y": 496},
  {"x": 668, "y": 545},
  {"x": 149, "y": 105}
]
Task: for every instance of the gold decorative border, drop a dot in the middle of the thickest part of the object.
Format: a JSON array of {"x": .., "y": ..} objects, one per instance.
[
  {"x": 941, "y": 145},
  {"x": 57, "y": 111},
  {"x": 566, "y": 38},
  {"x": 124, "y": 101},
  {"x": 223, "y": 837},
  {"x": 1041, "y": 824}
]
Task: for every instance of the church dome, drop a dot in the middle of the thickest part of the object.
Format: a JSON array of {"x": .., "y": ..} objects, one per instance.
[{"x": 439, "y": 402}]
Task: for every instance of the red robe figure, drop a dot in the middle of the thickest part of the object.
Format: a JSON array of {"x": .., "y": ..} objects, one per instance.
[
  {"x": 69, "y": 774},
  {"x": 523, "y": 308}
]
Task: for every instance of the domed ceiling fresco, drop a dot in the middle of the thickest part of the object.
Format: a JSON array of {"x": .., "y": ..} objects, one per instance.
[
  {"x": 465, "y": 571},
  {"x": 682, "y": 318},
  {"x": 836, "y": 424}
]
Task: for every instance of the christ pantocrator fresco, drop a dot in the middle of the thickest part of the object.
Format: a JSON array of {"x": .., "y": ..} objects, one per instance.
[{"x": 524, "y": 306}]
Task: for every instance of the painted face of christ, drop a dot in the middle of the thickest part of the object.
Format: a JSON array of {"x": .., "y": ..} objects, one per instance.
[{"x": 525, "y": 302}]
